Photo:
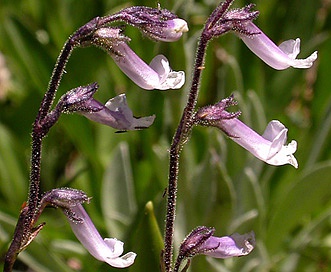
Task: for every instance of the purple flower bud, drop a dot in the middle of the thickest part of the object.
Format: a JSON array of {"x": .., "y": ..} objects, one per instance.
[
  {"x": 64, "y": 198},
  {"x": 117, "y": 114},
  {"x": 270, "y": 147},
  {"x": 158, "y": 24},
  {"x": 278, "y": 57},
  {"x": 107, "y": 250}
]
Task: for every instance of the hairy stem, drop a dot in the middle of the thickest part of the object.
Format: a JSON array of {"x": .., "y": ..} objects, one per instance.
[
  {"x": 179, "y": 139},
  {"x": 26, "y": 221}
]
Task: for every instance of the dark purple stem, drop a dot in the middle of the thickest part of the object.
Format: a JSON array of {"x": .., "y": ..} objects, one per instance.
[
  {"x": 44, "y": 121},
  {"x": 184, "y": 128},
  {"x": 179, "y": 139}
]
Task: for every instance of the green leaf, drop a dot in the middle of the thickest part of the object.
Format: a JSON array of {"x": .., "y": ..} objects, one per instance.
[
  {"x": 13, "y": 180},
  {"x": 117, "y": 195},
  {"x": 305, "y": 197},
  {"x": 147, "y": 241}
]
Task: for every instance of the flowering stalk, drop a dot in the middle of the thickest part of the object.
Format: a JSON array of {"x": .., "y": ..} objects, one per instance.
[
  {"x": 156, "y": 24},
  {"x": 40, "y": 128},
  {"x": 217, "y": 24}
]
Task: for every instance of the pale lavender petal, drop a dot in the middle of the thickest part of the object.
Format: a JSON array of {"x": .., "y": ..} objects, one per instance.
[
  {"x": 108, "y": 250},
  {"x": 278, "y": 57}
]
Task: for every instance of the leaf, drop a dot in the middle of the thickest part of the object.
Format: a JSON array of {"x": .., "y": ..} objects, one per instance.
[
  {"x": 13, "y": 179},
  {"x": 305, "y": 197},
  {"x": 117, "y": 195},
  {"x": 146, "y": 241}
]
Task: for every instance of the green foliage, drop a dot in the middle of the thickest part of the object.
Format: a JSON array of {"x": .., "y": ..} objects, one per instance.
[{"x": 220, "y": 184}]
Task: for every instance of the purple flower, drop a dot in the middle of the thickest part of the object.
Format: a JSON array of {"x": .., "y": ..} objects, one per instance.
[
  {"x": 156, "y": 75},
  {"x": 269, "y": 147},
  {"x": 278, "y": 57},
  {"x": 107, "y": 250},
  {"x": 117, "y": 114},
  {"x": 224, "y": 247},
  {"x": 202, "y": 241}
]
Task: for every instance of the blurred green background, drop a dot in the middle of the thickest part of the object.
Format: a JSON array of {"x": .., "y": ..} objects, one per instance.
[{"x": 220, "y": 185}]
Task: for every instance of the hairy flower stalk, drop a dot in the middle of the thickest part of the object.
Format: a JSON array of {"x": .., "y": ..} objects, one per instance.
[
  {"x": 217, "y": 24},
  {"x": 269, "y": 147},
  {"x": 158, "y": 24}
]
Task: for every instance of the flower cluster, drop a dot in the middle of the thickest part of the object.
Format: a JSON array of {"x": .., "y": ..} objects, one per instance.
[{"x": 269, "y": 147}]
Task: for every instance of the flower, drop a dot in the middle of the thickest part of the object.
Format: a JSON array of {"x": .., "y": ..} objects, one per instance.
[
  {"x": 156, "y": 75},
  {"x": 116, "y": 113},
  {"x": 224, "y": 247},
  {"x": 202, "y": 241},
  {"x": 107, "y": 250},
  {"x": 270, "y": 147},
  {"x": 278, "y": 57}
]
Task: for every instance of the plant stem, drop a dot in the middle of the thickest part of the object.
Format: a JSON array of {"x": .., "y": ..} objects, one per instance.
[
  {"x": 25, "y": 224},
  {"x": 183, "y": 130}
]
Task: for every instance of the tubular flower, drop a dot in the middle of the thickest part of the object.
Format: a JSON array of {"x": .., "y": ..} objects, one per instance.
[
  {"x": 157, "y": 75},
  {"x": 156, "y": 23},
  {"x": 107, "y": 250},
  {"x": 117, "y": 114},
  {"x": 270, "y": 147},
  {"x": 278, "y": 57},
  {"x": 234, "y": 245},
  {"x": 202, "y": 241}
]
